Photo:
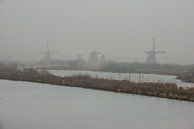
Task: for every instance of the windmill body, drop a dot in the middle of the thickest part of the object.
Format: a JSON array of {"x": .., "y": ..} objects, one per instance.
[
  {"x": 48, "y": 55},
  {"x": 151, "y": 55}
]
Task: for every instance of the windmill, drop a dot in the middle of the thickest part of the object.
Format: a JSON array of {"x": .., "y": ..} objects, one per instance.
[
  {"x": 93, "y": 59},
  {"x": 94, "y": 56},
  {"x": 48, "y": 55},
  {"x": 151, "y": 55}
]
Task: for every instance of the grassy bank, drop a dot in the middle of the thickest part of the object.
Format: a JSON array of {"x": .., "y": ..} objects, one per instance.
[{"x": 164, "y": 90}]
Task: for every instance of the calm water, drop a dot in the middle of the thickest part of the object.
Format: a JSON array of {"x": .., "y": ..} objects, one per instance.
[
  {"x": 125, "y": 76},
  {"x": 26, "y": 105}
]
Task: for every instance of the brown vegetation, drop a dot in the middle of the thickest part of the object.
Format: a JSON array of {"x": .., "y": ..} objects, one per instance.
[{"x": 166, "y": 90}]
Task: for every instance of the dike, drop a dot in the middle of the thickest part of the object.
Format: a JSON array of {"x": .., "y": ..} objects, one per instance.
[{"x": 162, "y": 90}]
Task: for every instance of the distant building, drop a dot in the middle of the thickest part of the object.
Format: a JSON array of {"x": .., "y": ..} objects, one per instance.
[
  {"x": 96, "y": 59},
  {"x": 47, "y": 56},
  {"x": 151, "y": 55},
  {"x": 102, "y": 58},
  {"x": 93, "y": 58}
]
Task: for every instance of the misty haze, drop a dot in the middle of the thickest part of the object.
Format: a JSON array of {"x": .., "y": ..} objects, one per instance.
[
  {"x": 122, "y": 29},
  {"x": 96, "y": 64}
]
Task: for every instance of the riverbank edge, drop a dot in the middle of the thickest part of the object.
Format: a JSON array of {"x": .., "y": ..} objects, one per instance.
[{"x": 161, "y": 90}]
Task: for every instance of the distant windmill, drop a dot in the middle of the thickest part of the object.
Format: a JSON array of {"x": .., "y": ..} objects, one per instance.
[
  {"x": 48, "y": 54},
  {"x": 151, "y": 55},
  {"x": 93, "y": 59}
]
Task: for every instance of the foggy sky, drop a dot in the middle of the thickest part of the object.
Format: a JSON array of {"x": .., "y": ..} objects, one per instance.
[{"x": 121, "y": 29}]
